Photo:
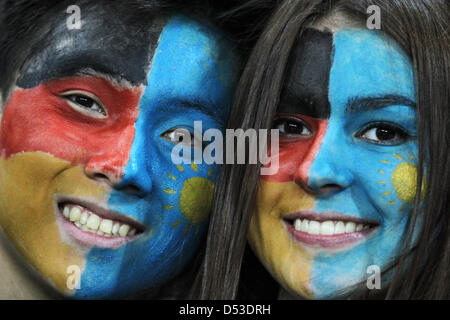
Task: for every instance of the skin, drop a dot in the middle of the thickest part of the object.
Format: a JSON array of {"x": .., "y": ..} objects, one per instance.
[
  {"x": 348, "y": 152},
  {"x": 112, "y": 153}
]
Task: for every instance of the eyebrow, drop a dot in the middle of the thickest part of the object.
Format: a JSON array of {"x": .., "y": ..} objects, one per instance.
[
  {"x": 202, "y": 108},
  {"x": 370, "y": 103}
]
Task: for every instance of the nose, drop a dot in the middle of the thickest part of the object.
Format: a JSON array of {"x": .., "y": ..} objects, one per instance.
[
  {"x": 324, "y": 171},
  {"x": 131, "y": 177}
]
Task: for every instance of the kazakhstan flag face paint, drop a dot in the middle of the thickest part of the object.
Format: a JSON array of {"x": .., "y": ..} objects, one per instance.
[
  {"x": 348, "y": 155},
  {"x": 86, "y": 178}
]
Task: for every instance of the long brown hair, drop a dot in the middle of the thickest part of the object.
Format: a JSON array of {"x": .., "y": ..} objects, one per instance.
[{"x": 421, "y": 28}]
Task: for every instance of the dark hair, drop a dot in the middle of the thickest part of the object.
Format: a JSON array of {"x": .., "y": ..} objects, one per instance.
[
  {"x": 421, "y": 28},
  {"x": 25, "y": 22}
]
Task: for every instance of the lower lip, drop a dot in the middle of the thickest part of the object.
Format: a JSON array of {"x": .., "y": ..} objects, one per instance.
[
  {"x": 335, "y": 241},
  {"x": 90, "y": 239}
]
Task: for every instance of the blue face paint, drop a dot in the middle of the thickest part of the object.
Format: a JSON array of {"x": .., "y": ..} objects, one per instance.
[
  {"x": 369, "y": 180},
  {"x": 192, "y": 78}
]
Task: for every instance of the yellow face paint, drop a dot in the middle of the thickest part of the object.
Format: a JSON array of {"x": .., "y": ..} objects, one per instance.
[
  {"x": 288, "y": 262},
  {"x": 28, "y": 184}
]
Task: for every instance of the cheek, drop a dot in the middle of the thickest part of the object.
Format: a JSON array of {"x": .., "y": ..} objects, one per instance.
[
  {"x": 37, "y": 120},
  {"x": 296, "y": 157}
]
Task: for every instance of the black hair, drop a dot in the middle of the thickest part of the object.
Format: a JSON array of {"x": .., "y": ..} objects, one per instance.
[{"x": 421, "y": 28}]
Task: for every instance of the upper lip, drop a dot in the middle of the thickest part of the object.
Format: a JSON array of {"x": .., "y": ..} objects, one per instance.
[
  {"x": 101, "y": 212},
  {"x": 326, "y": 216}
]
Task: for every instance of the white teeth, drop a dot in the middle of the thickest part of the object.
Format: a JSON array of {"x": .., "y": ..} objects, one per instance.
[
  {"x": 75, "y": 214},
  {"x": 314, "y": 227},
  {"x": 339, "y": 228},
  {"x": 115, "y": 229},
  {"x": 106, "y": 226},
  {"x": 123, "y": 230},
  {"x": 91, "y": 222},
  {"x": 84, "y": 217},
  {"x": 327, "y": 228},
  {"x": 350, "y": 227},
  {"x": 66, "y": 212},
  {"x": 297, "y": 224},
  {"x": 305, "y": 226},
  {"x": 324, "y": 228}
]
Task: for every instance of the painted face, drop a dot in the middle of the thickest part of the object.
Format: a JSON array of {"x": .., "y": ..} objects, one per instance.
[
  {"x": 342, "y": 197},
  {"x": 86, "y": 177}
]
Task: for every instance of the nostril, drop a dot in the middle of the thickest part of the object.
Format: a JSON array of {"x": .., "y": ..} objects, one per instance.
[
  {"x": 131, "y": 189},
  {"x": 329, "y": 188},
  {"x": 100, "y": 176}
]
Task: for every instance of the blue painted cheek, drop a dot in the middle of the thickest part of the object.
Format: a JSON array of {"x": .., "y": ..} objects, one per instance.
[
  {"x": 365, "y": 64},
  {"x": 172, "y": 201}
]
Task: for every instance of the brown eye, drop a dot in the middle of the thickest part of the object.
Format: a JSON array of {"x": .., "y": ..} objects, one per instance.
[
  {"x": 181, "y": 135},
  {"x": 382, "y": 133},
  {"x": 291, "y": 127},
  {"x": 85, "y": 103}
]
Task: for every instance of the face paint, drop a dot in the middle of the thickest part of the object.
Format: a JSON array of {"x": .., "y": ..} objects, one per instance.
[
  {"x": 341, "y": 199},
  {"x": 88, "y": 148}
]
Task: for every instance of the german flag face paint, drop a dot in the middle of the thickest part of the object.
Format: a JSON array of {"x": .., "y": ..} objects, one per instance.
[
  {"x": 86, "y": 178},
  {"x": 341, "y": 199}
]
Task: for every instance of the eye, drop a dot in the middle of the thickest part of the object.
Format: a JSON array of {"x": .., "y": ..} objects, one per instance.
[
  {"x": 85, "y": 103},
  {"x": 384, "y": 134},
  {"x": 291, "y": 127},
  {"x": 181, "y": 135}
]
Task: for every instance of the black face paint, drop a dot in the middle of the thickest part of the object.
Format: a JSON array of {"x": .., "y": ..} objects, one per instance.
[
  {"x": 308, "y": 72},
  {"x": 106, "y": 43}
]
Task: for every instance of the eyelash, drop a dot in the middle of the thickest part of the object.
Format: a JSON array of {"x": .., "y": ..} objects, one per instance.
[
  {"x": 400, "y": 135},
  {"x": 96, "y": 110},
  {"x": 174, "y": 131},
  {"x": 292, "y": 121}
]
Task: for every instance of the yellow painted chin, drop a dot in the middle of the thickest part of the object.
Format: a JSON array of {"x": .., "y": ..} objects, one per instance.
[
  {"x": 28, "y": 183},
  {"x": 285, "y": 259}
]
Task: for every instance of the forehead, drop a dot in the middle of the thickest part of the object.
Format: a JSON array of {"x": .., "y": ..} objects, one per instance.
[
  {"x": 329, "y": 69},
  {"x": 368, "y": 63},
  {"x": 108, "y": 43}
]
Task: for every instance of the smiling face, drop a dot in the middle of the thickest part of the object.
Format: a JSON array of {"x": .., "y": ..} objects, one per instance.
[
  {"x": 86, "y": 177},
  {"x": 341, "y": 199}
]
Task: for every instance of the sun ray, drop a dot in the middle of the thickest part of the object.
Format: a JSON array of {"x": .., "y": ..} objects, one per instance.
[
  {"x": 176, "y": 223},
  {"x": 381, "y": 182},
  {"x": 411, "y": 157},
  {"x": 186, "y": 229},
  {"x": 384, "y": 161},
  {"x": 398, "y": 157},
  {"x": 169, "y": 191},
  {"x": 380, "y": 171},
  {"x": 171, "y": 176},
  {"x": 387, "y": 193},
  {"x": 392, "y": 202},
  {"x": 180, "y": 167},
  {"x": 210, "y": 171},
  {"x": 168, "y": 207},
  {"x": 401, "y": 207},
  {"x": 194, "y": 166}
]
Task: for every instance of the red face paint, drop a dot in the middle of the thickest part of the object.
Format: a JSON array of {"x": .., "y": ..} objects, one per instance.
[
  {"x": 39, "y": 119},
  {"x": 296, "y": 154}
]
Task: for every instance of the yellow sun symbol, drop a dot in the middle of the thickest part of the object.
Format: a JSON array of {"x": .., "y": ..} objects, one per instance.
[
  {"x": 195, "y": 200},
  {"x": 403, "y": 179}
]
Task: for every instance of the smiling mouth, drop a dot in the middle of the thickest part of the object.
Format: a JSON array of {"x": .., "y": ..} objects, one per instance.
[
  {"x": 92, "y": 225},
  {"x": 328, "y": 230}
]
